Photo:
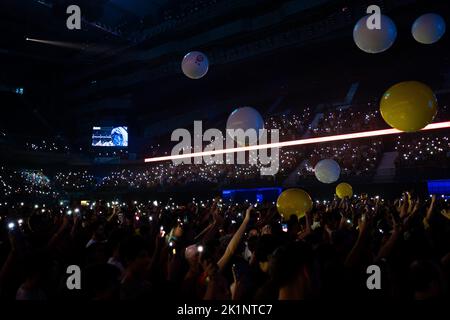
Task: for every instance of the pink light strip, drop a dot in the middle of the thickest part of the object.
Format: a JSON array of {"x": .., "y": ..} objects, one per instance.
[{"x": 348, "y": 136}]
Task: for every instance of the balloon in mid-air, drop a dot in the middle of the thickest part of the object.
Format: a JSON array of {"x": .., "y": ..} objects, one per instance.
[
  {"x": 344, "y": 190},
  {"x": 327, "y": 171},
  {"x": 294, "y": 202},
  {"x": 375, "y": 40},
  {"x": 195, "y": 65},
  {"x": 408, "y": 106},
  {"x": 245, "y": 118},
  {"x": 428, "y": 28}
]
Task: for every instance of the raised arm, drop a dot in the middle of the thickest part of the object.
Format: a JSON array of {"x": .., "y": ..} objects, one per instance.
[
  {"x": 386, "y": 249},
  {"x": 11, "y": 260},
  {"x": 355, "y": 254},
  {"x": 57, "y": 236},
  {"x": 430, "y": 210},
  {"x": 234, "y": 242}
]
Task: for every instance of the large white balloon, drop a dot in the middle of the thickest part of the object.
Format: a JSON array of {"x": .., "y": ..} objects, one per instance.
[
  {"x": 245, "y": 118},
  {"x": 428, "y": 28},
  {"x": 327, "y": 171},
  {"x": 375, "y": 40},
  {"x": 195, "y": 65}
]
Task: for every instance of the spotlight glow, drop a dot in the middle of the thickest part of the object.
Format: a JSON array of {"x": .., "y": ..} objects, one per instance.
[
  {"x": 348, "y": 136},
  {"x": 97, "y": 48}
]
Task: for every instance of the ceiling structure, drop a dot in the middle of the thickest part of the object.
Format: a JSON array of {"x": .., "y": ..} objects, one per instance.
[{"x": 124, "y": 65}]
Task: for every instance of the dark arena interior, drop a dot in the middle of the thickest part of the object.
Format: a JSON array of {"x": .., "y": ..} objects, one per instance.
[{"x": 124, "y": 174}]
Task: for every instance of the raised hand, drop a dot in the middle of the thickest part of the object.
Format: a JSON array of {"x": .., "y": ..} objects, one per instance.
[
  {"x": 267, "y": 229},
  {"x": 248, "y": 212}
]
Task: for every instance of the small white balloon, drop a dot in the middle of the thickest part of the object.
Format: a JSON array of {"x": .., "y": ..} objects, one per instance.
[
  {"x": 428, "y": 28},
  {"x": 245, "y": 118},
  {"x": 195, "y": 65},
  {"x": 375, "y": 40},
  {"x": 327, "y": 171}
]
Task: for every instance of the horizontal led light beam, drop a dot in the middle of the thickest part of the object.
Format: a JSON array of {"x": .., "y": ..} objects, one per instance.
[{"x": 348, "y": 136}]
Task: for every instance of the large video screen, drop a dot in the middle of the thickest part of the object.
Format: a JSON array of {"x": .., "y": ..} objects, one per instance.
[{"x": 110, "y": 137}]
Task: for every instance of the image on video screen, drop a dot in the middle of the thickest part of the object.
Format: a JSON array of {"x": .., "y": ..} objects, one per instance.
[{"x": 110, "y": 137}]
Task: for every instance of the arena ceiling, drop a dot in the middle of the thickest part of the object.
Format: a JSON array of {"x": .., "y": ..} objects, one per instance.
[{"x": 125, "y": 61}]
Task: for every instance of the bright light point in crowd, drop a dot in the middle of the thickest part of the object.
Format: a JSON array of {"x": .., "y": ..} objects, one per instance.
[
  {"x": 69, "y": 212},
  {"x": 20, "y": 221},
  {"x": 200, "y": 249},
  {"x": 155, "y": 203},
  {"x": 36, "y": 206},
  {"x": 11, "y": 225},
  {"x": 77, "y": 210},
  {"x": 339, "y": 137}
]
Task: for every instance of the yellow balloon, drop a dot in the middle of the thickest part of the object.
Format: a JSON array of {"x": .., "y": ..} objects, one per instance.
[
  {"x": 408, "y": 106},
  {"x": 344, "y": 190},
  {"x": 294, "y": 201}
]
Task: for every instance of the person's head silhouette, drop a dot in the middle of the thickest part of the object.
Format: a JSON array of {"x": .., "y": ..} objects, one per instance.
[{"x": 119, "y": 136}]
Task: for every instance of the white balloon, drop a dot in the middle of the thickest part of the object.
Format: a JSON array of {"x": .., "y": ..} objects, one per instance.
[
  {"x": 375, "y": 40},
  {"x": 327, "y": 171},
  {"x": 195, "y": 65},
  {"x": 245, "y": 118},
  {"x": 428, "y": 28}
]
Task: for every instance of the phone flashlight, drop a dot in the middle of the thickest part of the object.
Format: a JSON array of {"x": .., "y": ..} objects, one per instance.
[
  {"x": 200, "y": 249},
  {"x": 69, "y": 212},
  {"x": 11, "y": 225},
  {"x": 284, "y": 227}
]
